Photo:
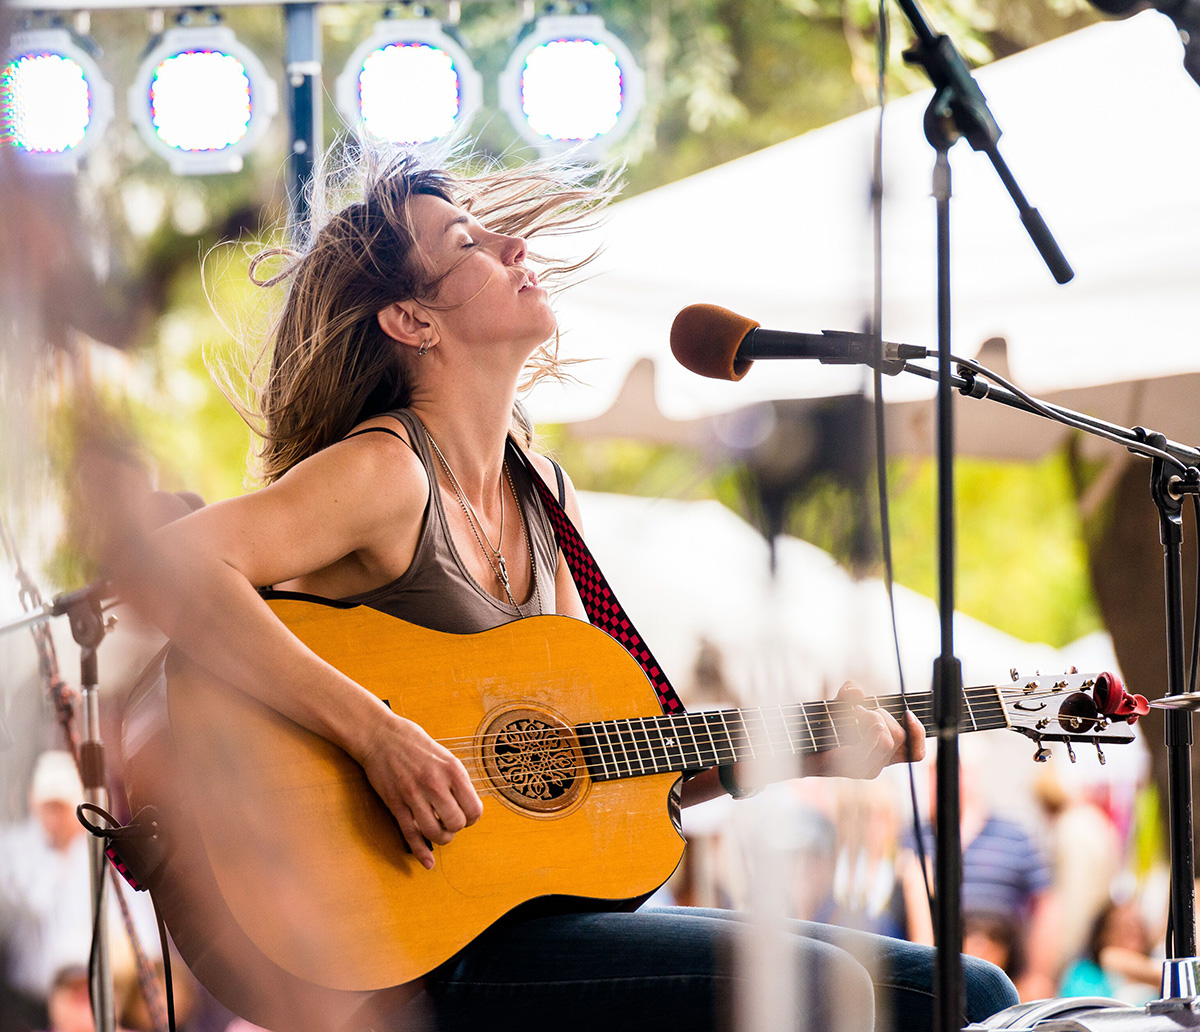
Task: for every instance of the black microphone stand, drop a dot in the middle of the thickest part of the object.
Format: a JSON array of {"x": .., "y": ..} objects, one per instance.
[
  {"x": 85, "y": 611},
  {"x": 1174, "y": 474},
  {"x": 958, "y": 110}
]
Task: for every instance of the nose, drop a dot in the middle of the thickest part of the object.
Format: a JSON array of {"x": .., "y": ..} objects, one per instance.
[{"x": 514, "y": 250}]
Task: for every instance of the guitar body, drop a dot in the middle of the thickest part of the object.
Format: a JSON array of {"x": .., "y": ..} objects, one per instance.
[{"x": 287, "y": 885}]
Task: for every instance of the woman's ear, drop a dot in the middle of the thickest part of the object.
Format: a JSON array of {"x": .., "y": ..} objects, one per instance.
[{"x": 405, "y": 323}]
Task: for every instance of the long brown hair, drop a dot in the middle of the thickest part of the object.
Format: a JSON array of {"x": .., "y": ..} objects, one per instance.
[{"x": 326, "y": 364}]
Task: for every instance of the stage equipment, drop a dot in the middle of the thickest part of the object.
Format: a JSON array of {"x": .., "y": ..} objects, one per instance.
[
  {"x": 409, "y": 82},
  {"x": 571, "y": 85},
  {"x": 722, "y": 345},
  {"x": 54, "y": 102},
  {"x": 201, "y": 99},
  {"x": 958, "y": 109},
  {"x": 85, "y": 610}
]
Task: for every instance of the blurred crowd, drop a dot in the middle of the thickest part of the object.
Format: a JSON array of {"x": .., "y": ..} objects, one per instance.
[{"x": 1064, "y": 886}]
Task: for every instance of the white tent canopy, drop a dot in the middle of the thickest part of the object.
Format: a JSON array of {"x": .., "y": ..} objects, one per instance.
[{"x": 1102, "y": 130}]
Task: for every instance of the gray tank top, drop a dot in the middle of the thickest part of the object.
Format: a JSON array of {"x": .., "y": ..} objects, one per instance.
[{"x": 436, "y": 591}]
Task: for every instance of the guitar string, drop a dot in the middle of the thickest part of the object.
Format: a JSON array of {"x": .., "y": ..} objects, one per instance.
[
  {"x": 722, "y": 754},
  {"x": 630, "y": 751},
  {"x": 649, "y": 740},
  {"x": 797, "y": 710}
]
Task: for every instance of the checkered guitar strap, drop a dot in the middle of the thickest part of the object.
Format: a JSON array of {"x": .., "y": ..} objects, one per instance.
[{"x": 601, "y": 604}]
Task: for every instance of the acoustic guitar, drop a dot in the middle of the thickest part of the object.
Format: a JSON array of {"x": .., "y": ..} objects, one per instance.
[{"x": 284, "y": 879}]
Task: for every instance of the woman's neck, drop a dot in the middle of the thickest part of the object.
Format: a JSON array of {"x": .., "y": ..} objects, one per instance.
[{"x": 471, "y": 439}]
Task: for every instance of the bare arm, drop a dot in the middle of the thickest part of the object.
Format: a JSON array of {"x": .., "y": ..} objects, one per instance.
[{"x": 197, "y": 579}]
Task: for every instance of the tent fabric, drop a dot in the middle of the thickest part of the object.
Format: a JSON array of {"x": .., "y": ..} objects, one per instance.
[{"x": 1102, "y": 131}]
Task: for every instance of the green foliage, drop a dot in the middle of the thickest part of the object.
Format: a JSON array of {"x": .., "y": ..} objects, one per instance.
[{"x": 1022, "y": 562}]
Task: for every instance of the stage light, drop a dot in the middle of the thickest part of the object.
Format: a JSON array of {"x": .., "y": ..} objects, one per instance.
[
  {"x": 54, "y": 103},
  {"x": 409, "y": 83},
  {"x": 201, "y": 99},
  {"x": 571, "y": 84}
]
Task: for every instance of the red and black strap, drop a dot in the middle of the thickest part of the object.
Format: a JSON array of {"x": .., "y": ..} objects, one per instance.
[{"x": 601, "y": 604}]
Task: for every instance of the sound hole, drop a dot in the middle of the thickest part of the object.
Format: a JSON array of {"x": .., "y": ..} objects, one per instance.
[{"x": 533, "y": 760}]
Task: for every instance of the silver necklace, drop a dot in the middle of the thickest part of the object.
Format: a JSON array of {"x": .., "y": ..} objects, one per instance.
[{"x": 493, "y": 555}]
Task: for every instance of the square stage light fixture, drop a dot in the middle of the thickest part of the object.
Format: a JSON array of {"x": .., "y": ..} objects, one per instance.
[
  {"x": 202, "y": 100},
  {"x": 54, "y": 103},
  {"x": 409, "y": 83},
  {"x": 571, "y": 85}
]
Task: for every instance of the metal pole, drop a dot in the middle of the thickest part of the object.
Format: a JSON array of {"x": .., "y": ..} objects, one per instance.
[
  {"x": 95, "y": 791},
  {"x": 303, "y": 72},
  {"x": 947, "y": 672}
]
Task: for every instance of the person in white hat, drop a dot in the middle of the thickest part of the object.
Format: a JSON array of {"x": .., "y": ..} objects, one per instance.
[{"x": 44, "y": 884}]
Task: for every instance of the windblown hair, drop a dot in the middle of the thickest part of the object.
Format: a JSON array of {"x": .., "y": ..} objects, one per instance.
[{"x": 326, "y": 365}]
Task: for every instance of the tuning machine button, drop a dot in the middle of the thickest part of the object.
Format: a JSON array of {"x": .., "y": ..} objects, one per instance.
[
  {"x": 1100, "y": 755},
  {"x": 1041, "y": 754},
  {"x": 1070, "y": 752}
]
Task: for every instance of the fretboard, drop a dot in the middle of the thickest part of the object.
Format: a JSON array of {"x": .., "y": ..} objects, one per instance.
[{"x": 698, "y": 740}]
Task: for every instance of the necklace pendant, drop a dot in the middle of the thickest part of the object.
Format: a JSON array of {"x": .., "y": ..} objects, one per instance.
[{"x": 503, "y": 570}]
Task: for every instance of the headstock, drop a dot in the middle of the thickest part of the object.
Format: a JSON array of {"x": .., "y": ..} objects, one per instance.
[{"x": 1071, "y": 708}]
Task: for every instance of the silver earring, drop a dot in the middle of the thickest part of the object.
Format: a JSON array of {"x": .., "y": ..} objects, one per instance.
[{"x": 425, "y": 346}]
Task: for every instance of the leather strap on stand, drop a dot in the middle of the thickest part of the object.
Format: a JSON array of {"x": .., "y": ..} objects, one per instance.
[{"x": 601, "y": 604}]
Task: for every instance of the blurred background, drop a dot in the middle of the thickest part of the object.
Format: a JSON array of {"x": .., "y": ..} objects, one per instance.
[{"x": 745, "y": 131}]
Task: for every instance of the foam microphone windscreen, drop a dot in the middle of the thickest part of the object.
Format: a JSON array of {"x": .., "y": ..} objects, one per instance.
[{"x": 705, "y": 339}]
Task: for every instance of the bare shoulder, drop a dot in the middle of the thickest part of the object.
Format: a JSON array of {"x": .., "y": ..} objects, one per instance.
[{"x": 378, "y": 472}]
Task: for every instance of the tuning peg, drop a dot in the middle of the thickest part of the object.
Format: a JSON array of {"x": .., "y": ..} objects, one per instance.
[
  {"x": 1100, "y": 754},
  {"x": 1070, "y": 752},
  {"x": 1041, "y": 754},
  {"x": 1012, "y": 672}
]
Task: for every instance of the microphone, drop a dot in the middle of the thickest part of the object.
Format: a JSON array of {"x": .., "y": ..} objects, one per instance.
[{"x": 721, "y": 344}]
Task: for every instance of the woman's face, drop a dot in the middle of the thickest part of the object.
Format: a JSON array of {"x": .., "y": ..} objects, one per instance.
[{"x": 485, "y": 294}]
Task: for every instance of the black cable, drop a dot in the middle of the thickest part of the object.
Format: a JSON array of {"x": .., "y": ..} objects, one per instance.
[
  {"x": 881, "y": 479},
  {"x": 1195, "y": 601},
  {"x": 94, "y": 952},
  {"x": 1056, "y": 414},
  {"x": 166, "y": 953},
  {"x": 116, "y": 830}
]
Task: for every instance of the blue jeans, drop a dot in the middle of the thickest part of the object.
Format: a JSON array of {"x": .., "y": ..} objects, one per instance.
[{"x": 675, "y": 967}]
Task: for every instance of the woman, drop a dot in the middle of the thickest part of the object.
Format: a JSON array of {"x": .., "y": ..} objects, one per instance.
[{"x": 393, "y": 480}]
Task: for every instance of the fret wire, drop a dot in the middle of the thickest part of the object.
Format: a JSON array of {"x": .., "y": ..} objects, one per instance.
[
  {"x": 649, "y": 743},
  {"x": 788, "y": 731},
  {"x": 658, "y": 724},
  {"x": 624, "y": 731},
  {"x": 708, "y": 727},
  {"x": 808, "y": 726},
  {"x": 599, "y": 750},
  {"x": 633, "y": 738},
  {"x": 970, "y": 713},
  {"x": 746, "y": 735},
  {"x": 833, "y": 727},
  {"x": 729, "y": 735},
  {"x": 695, "y": 741},
  {"x": 673, "y": 720},
  {"x": 616, "y": 758}
]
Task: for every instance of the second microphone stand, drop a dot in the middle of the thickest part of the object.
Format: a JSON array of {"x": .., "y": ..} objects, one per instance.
[{"x": 958, "y": 110}]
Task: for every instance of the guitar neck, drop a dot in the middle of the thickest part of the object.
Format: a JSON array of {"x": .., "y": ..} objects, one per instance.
[{"x": 694, "y": 741}]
